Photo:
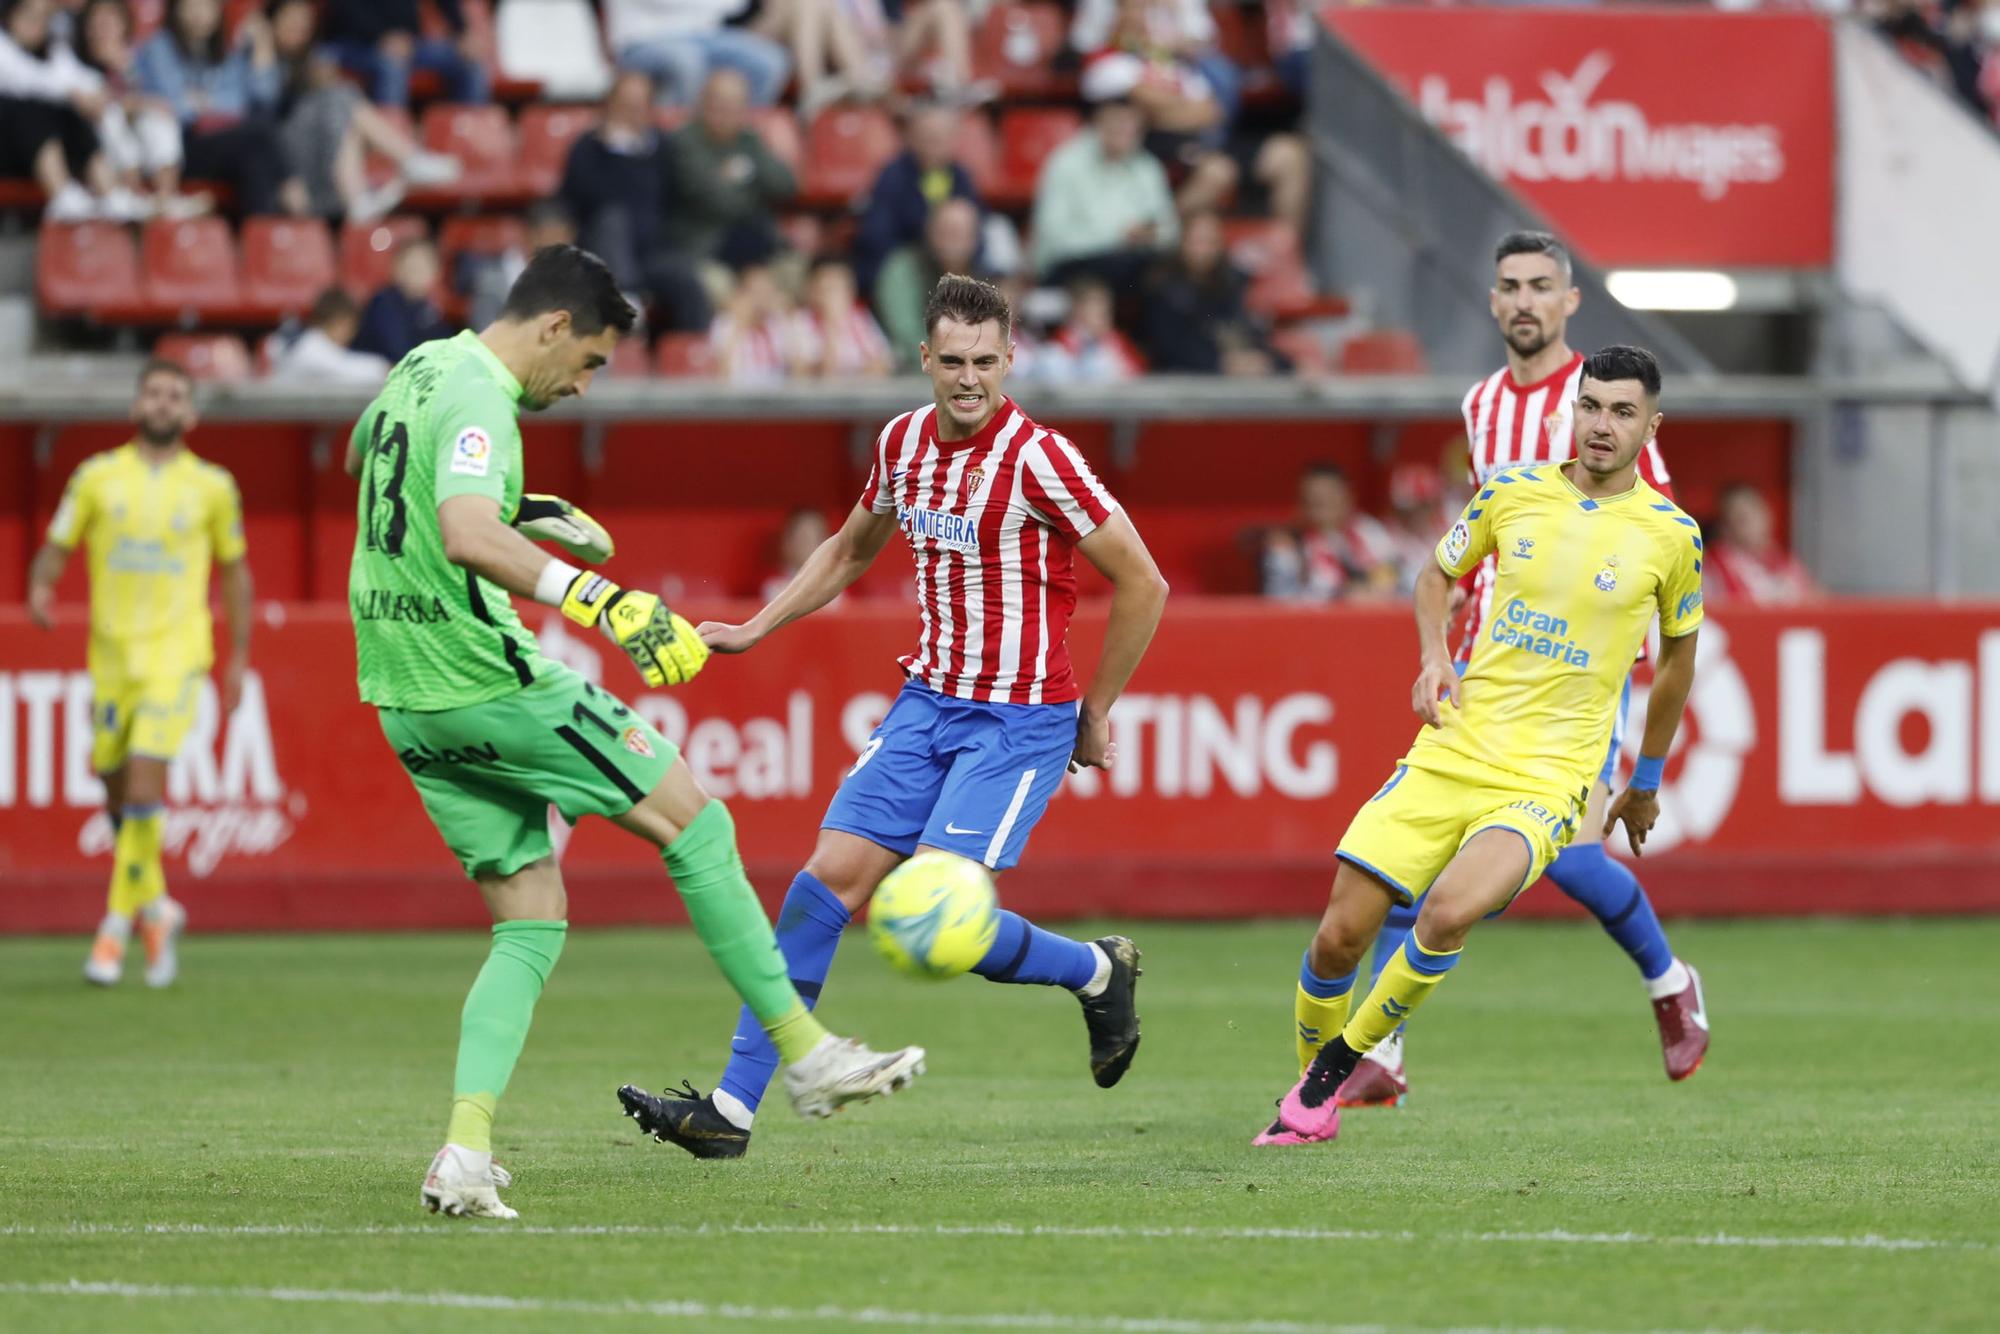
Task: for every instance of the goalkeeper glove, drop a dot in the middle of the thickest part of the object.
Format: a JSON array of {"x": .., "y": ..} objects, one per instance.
[
  {"x": 663, "y": 646},
  {"x": 553, "y": 519}
]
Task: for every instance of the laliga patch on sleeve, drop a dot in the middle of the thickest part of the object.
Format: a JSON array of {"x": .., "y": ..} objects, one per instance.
[
  {"x": 1456, "y": 541},
  {"x": 472, "y": 452}
]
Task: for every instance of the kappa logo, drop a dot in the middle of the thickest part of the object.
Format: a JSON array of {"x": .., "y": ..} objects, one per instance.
[{"x": 636, "y": 742}]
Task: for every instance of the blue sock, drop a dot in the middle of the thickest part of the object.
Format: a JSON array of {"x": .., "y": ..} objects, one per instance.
[
  {"x": 1613, "y": 894},
  {"x": 809, "y": 927},
  {"x": 1023, "y": 952},
  {"x": 1324, "y": 988}
]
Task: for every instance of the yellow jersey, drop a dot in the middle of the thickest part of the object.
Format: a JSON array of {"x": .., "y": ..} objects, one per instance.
[
  {"x": 1578, "y": 581},
  {"x": 152, "y": 532}
]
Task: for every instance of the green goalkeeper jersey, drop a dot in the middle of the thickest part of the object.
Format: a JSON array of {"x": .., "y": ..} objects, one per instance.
[{"x": 429, "y": 634}]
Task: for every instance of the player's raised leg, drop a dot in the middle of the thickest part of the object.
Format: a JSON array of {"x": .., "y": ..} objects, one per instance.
[
  {"x": 1485, "y": 875},
  {"x": 1614, "y": 896},
  {"x": 1381, "y": 1079},
  {"x": 697, "y": 839}
]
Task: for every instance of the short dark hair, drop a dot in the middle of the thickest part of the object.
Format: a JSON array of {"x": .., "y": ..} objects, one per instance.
[
  {"x": 164, "y": 366},
  {"x": 1324, "y": 468},
  {"x": 1533, "y": 243},
  {"x": 1619, "y": 362},
  {"x": 332, "y": 304},
  {"x": 969, "y": 301},
  {"x": 563, "y": 277}
]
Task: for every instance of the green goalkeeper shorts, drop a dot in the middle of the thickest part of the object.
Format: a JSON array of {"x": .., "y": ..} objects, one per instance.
[{"x": 489, "y": 772}]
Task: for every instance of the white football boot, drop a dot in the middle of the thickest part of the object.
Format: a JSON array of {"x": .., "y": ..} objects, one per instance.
[
  {"x": 463, "y": 1183},
  {"x": 841, "y": 1070},
  {"x": 106, "y": 963},
  {"x": 160, "y": 925}
]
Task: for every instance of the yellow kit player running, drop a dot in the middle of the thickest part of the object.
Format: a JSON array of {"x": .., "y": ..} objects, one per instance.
[
  {"x": 154, "y": 517},
  {"x": 1497, "y": 781},
  {"x": 492, "y": 733}
]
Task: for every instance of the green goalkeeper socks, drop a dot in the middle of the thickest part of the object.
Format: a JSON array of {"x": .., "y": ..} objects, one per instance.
[
  {"x": 709, "y": 874},
  {"x": 494, "y": 1024}
]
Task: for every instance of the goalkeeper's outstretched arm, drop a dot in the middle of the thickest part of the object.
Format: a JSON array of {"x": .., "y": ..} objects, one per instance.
[{"x": 837, "y": 563}]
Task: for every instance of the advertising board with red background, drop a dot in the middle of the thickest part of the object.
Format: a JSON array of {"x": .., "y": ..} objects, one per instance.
[
  {"x": 1840, "y": 758},
  {"x": 1648, "y": 137}
]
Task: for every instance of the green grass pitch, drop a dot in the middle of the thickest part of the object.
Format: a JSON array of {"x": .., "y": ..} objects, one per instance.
[{"x": 243, "y": 1152}]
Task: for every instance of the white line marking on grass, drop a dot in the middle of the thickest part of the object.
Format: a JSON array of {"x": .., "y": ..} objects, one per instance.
[
  {"x": 1553, "y": 1237},
  {"x": 695, "y": 1310}
]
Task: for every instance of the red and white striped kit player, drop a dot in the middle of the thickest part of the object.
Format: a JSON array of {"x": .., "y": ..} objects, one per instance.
[
  {"x": 1508, "y": 424},
  {"x": 992, "y": 522}
]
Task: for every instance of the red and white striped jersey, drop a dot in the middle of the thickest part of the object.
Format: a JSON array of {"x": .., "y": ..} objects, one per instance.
[
  {"x": 991, "y": 522},
  {"x": 1506, "y": 424}
]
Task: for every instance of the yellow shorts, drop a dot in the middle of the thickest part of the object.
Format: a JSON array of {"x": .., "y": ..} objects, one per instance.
[
  {"x": 148, "y": 716},
  {"x": 1408, "y": 832}
]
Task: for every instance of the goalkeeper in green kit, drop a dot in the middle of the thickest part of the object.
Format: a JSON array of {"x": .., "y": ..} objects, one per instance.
[{"x": 491, "y": 732}]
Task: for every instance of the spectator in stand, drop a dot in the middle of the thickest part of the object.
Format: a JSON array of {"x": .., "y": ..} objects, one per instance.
[
  {"x": 1418, "y": 519},
  {"x": 50, "y": 103},
  {"x": 1335, "y": 552},
  {"x": 914, "y": 182},
  {"x": 1089, "y": 349},
  {"x": 404, "y": 313},
  {"x": 327, "y": 128},
  {"x": 727, "y": 181},
  {"x": 755, "y": 338},
  {"x": 320, "y": 353},
  {"x": 381, "y": 42},
  {"x": 224, "y": 97},
  {"x": 619, "y": 187},
  {"x": 1943, "y": 41},
  {"x": 1288, "y": 31},
  {"x": 1195, "y": 319},
  {"x": 1102, "y": 205},
  {"x": 903, "y": 289},
  {"x": 1191, "y": 84},
  {"x": 837, "y": 337},
  {"x": 803, "y": 533},
  {"x": 874, "y": 42},
  {"x": 139, "y": 135},
  {"x": 486, "y": 279},
  {"x": 680, "y": 43},
  {"x": 1745, "y": 562}
]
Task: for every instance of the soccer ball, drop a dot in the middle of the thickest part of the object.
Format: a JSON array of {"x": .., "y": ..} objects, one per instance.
[{"x": 935, "y": 915}]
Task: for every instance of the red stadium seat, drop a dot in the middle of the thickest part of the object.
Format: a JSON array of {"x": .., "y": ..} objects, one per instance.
[
  {"x": 189, "y": 270},
  {"x": 546, "y": 136},
  {"x": 488, "y": 235},
  {"x": 368, "y": 251},
  {"x": 1280, "y": 285},
  {"x": 1016, "y": 46},
  {"x": 80, "y": 266},
  {"x": 482, "y": 138},
  {"x": 1304, "y": 347},
  {"x": 978, "y": 152},
  {"x": 628, "y": 359},
  {"x": 779, "y": 130},
  {"x": 685, "y": 356},
  {"x": 1384, "y": 352},
  {"x": 207, "y": 356},
  {"x": 846, "y": 148},
  {"x": 287, "y": 263},
  {"x": 1027, "y": 136}
]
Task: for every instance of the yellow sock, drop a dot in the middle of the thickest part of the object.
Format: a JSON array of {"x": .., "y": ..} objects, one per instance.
[
  {"x": 472, "y": 1122},
  {"x": 137, "y": 877},
  {"x": 1397, "y": 993},
  {"x": 1320, "y": 1007},
  {"x": 795, "y": 1033}
]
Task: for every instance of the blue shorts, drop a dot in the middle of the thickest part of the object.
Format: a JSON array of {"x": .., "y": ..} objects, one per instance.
[
  {"x": 950, "y": 773},
  {"x": 1618, "y": 717}
]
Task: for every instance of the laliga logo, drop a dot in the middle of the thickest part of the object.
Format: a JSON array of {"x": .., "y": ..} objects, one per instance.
[
  {"x": 1696, "y": 801},
  {"x": 1567, "y": 137}
]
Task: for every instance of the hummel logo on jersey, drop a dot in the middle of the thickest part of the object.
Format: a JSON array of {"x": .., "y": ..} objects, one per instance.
[
  {"x": 1524, "y": 548},
  {"x": 951, "y": 828}
]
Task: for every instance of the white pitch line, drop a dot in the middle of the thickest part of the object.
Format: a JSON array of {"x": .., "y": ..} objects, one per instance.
[
  {"x": 1553, "y": 1237},
  {"x": 707, "y": 1311}
]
